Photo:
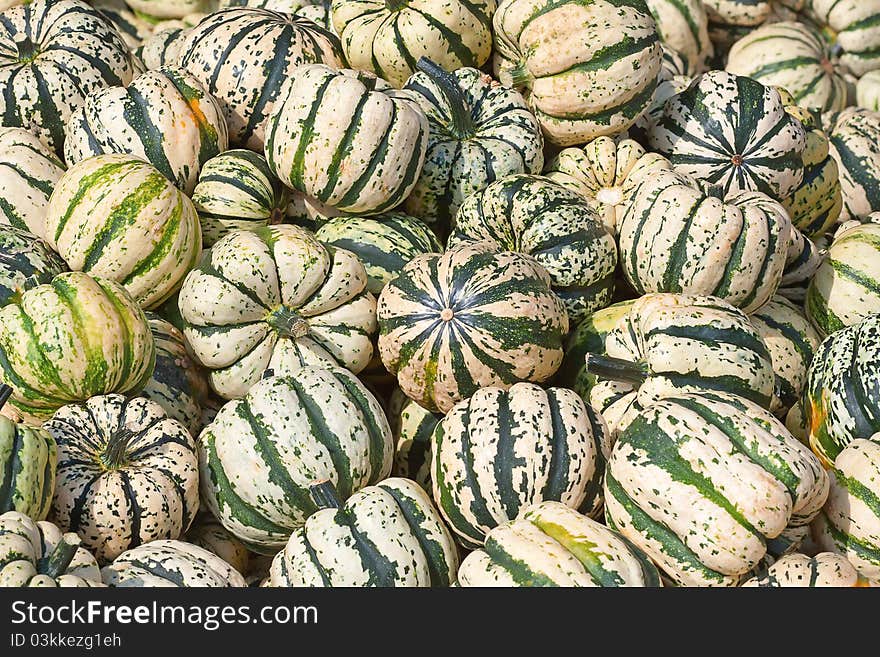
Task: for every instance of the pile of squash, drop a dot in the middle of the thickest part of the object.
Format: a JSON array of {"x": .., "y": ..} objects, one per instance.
[{"x": 422, "y": 293}]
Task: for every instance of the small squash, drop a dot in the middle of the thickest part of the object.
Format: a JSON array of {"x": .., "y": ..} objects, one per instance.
[
  {"x": 412, "y": 427},
  {"x": 853, "y": 135},
  {"x": 25, "y": 262},
  {"x": 207, "y": 532},
  {"x": 683, "y": 26},
  {"x": 799, "y": 570},
  {"x": 170, "y": 563},
  {"x": 29, "y": 171}
]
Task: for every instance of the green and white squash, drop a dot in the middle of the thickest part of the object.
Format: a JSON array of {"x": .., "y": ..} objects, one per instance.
[
  {"x": 587, "y": 69},
  {"x": 387, "y": 535},
  {"x": 669, "y": 84},
  {"x": 840, "y": 401},
  {"x": 25, "y": 262},
  {"x": 273, "y": 46},
  {"x": 605, "y": 171},
  {"x": 479, "y": 132},
  {"x": 155, "y": 9},
  {"x": 133, "y": 29},
  {"x": 854, "y": 25},
  {"x": 868, "y": 91},
  {"x": 412, "y": 427},
  {"x": 236, "y": 189},
  {"x": 38, "y": 554},
  {"x": 164, "y": 117},
  {"x": 118, "y": 217},
  {"x": 127, "y": 473},
  {"x": 169, "y": 563},
  {"x": 550, "y": 544},
  {"x": 850, "y": 521},
  {"x": 854, "y": 137},
  {"x": 683, "y": 26},
  {"x": 162, "y": 48},
  {"x": 54, "y": 53},
  {"x": 733, "y": 132},
  {"x": 276, "y": 298},
  {"x": 682, "y": 479},
  {"x": 804, "y": 259},
  {"x": 71, "y": 339},
  {"x": 738, "y": 12},
  {"x": 29, "y": 172},
  {"x": 320, "y": 12},
  {"x": 500, "y": 451},
  {"x": 470, "y": 318},
  {"x": 388, "y": 38},
  {"x": 798, "y": 570},
  {"x": 554, "y": 225},
  {"x": 207, "y": 532},
  {"x": 677, "y": 235},
  {"x": 346, "y": 139},
  {"x": 261, "y": 453}
]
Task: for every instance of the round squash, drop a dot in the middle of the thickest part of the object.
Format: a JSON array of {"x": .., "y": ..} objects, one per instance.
[
  {"x": 127, "y": 473},
  {"x": 28, "y": 174},
  {"x": 387, "y": 535},
  {"x": 868, "y": 91},
  {"x": 25, "y": 262},
  {"x": 276, "y": 298},
  {"x": 799, "y": 570},
  {"x": 71, "y": 339},
  {"x": 852, "y": 24},
  {"x": 412, "y": 427},
  {"x": 550, "y": 544},
  {"x": 207, "y": 532},
  {"x": 169, "y": 563},
  {"x": 853, "y": 136},
  {"x": 473, "y": 317},
  {"x": 683, "y": 26}
]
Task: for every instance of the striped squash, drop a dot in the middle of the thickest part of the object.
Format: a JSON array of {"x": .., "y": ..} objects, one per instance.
[
  {"x": 799, "y": 570},
  {"x": 854, "y": 26},
  {"x": 791, "y": 342},
  {"x": 738, "y": 12},
  {"x": 385, "y": 243},
  {"x": 795, "y": 57},
  {"x": 683, "y": 26},
  {"x": 178, "y": 384},
  {"x": 854, "y": 137},
  {"x": 587, "y": 68},
  {"x": 236, "y": 189},
  {"x": 127, "y": 473},
  {"x": 554, "y": 225},
  {"x": 162, "y": 48},
  {"x": 669, "y": 84},
  {"x": 118, "y": 217},
  {"x": 272, "y": 44},
  {"x": 840, "y": 399},
  {"x": 500, "y": 450},
  {"x": 733, "y": 132},
  {"x": 850, "y": 521},
  {"x": 605, "y": 171},
  {"x": 389, "y": 37},
  {"x": 133, "y": 28},
  {"x": 868, "y": 91},
  {"x": 28, "y": 174},
  {"x": 677, "y": 235},
  {"x": 550, "y": 544},
  {"x": 473, "y": 317},
  {"x": 38, "y": 554},
  {"x": 71, "y": 339},
  {"x": 411, "y": 427},
  {"x": 282, "y": 6},
  {"x": 320, "y": 12},
  {"x": 207, "y": 532},
  {"x": 164, "y": 117},
  {"x": 25, "y": 262},
  {"x": 276, "y": 298},
  {"x": 167, "y": 563},
  {"x": 346, "y": 139},
  {"x": 844, "y": 290},
  {"x": 387, "y": 535},
  {"x": 261, "y": 453},
  {"x": 804, "y": 258},
  {"x": 154, "y": 9},
  {"x": 676, "y": 343},
  {"x": 681, "y": 485},
  {"x": 479, "y": 131}
]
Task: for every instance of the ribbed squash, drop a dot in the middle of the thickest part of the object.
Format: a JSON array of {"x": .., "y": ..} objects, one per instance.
[
  {"x": 261, "y": 453},
  {"x": 550, "y": 544},
  {"x": 554, "y": 225},
  {"x": 681, "y": 485},
  {"x": 127, "y": 473},
  {"x": 804, "y": 258},
  {"x": 677, "y": 235},
  {"x": 207, "y": 532},
  {"x": 320, "y": 12},
  {"x": 25, "y": 262},
  {"x": 133, "y": 29},
  {"x": 118, "y": 217},
  {"x": 853, "y": 25},
  {"x": 479, "y": 131},
  {"x": 346, "y": 139},
  {"x": 170, "y": 563},
  {"x": 587, "y": 68},
  {"x": 162, "y": 48},
  {"x": 471, "y": 318},
  {"x": 28, "y": 174},
  {"x": 868, "y": 91},
  {"x": 71, "y": 339},
  {"x": 387, "y": 535},
  {"x": 854, "y": 136},
  {"x": 271, "y": 44},
  {"x": 54, "y": 53},
  {"x": 276, "y": 298},
  {"x": 798, "y": 570},
  {"x": 670, "y": 83},
  {"x": 412, "y": 427},
  {"x": 166, "y": 8},
  {"x": 38, "y": 554},
  {"x": 738, "y": 12},
  {"x": 389, "y": 37},
  {"x": 683, "y": 26},
  {"x": 164, "y": 117}
]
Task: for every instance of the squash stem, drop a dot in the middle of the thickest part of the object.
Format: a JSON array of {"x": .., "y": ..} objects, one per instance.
[
  {"x": 616, "y": 369},
  {"x": 325, "y": 496},
  {"x": 520, "y": 76},
  {"x": 117, "y": 447},
  {"x": 462, "y": 122},
  {"x": 56, "y": 563},
  {"x": 5, "y": 393},
  {"x": 288, "y": 323}
]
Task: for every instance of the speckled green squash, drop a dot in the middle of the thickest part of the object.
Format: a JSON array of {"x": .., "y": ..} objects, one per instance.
[
  {"x": 127, "y": 473},
  {"x": 804, "y": 258},
  {"x": 170, "y": 563},
  {"x": 853, "y": 25},
  {"x": 162, "y": 48},
  {"x": 798, "y": 570},
  {"x": 471, "y": 318},
  {"x": 387, "y": 535},
  {"x": 132, "y": 28},
  {"x": 681, "y": 479},
  {"x": 738, "y": 12},
  {"x": 71, "y": 339},
  {"x": 553, "y": 545},
  {"x": 553, "y": 224},
  {"x": 261, "y": 453},
  {"x": 276, "y": 298},
  {"x": 412, "y": 427},
  {"x": 25, "y": 262},
  {"x": 156, "y": 9},
  {"x": 683, "y": 26},
  {"x": 207, "y": 532},
  {"x": 854, "y": 137},
  {"x": 28, "y": 174}
]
